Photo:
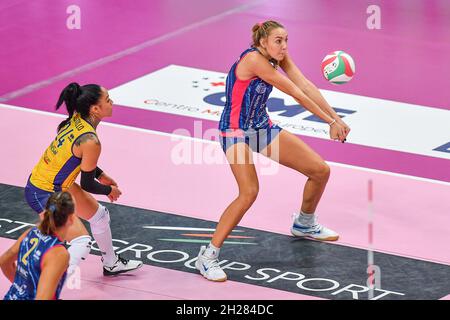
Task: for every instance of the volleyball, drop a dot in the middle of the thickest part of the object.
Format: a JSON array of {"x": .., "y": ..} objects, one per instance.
[{"x": 338, "y": 67}]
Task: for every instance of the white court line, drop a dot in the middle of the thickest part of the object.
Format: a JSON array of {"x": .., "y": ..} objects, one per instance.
[
  {"x": 184, "y": 228},
  {"x": 124, "y": 53},
  {"x": 176, "y": 136},
  {"x": 366, "y": 248}
]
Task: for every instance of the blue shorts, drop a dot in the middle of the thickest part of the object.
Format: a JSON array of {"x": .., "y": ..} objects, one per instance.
[
  {"x": 35, "y": 197},
  {"x": 256, "y": 139}
]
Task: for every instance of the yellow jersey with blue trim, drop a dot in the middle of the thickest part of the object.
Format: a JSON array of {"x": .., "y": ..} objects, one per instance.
[{"x": 59, "y": 167}]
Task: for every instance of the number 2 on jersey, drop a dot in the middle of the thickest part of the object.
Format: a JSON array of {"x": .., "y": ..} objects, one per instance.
[{"x": 34, "y": 242}]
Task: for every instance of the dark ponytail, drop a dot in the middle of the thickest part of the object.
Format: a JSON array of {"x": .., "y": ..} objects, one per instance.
[
  {"x": 57, "y": 210},
  {"x": 69, "y": 96},
  {"x": 78, "y": 99}
]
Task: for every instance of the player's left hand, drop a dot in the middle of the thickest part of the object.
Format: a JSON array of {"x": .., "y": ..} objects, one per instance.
[
  {"x": 346, "y": 127},
  {"x": 107, "y": 180}
]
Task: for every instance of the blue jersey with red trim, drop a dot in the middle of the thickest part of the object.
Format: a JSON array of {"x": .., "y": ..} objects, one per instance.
[
  {"x": 245, "y": 105},
  {"x": 32, "y": 250}
]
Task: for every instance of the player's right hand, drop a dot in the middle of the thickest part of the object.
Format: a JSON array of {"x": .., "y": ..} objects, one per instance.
[
  {"x": 115, "y": 194},
  {"x": 337, "y": 132}
]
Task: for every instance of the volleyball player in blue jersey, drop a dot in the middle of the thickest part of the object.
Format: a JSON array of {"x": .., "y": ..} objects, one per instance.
[
  {"x": 42, "y": 259},
  {"x": 246, "y": 126}
]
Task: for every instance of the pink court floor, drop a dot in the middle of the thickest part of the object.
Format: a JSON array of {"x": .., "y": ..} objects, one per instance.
[{"x": 155, "y": 51}]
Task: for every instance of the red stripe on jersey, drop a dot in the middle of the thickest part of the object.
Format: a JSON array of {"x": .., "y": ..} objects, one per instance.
[
  {"x": 237, "y": 96},
  {"x": 233, "y": 133}
]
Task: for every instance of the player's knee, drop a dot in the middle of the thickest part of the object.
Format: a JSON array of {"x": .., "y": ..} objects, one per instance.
[
  {"x": 79, "y": 249},
  {"x": 100, "y": 220},
  {"x": 249, "y": 194},
  {"x": 321, "y": 172}
]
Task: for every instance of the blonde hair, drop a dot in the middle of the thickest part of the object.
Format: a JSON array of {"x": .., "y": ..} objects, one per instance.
[
  {"x": 262, "y": 30},
  {"x": 57, "y": 210}
]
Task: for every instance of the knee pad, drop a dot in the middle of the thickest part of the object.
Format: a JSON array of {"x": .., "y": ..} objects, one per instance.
[
  {"x": 100, "y": 220},
  {"x": 79, "y": 249}
]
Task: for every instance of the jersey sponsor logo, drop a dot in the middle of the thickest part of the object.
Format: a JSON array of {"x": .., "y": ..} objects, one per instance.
[
  {"x": 375, "y": 122},
  {"x": 444, "y": 148},
  {"x": 22, "y": 271},
  {"x": 37, "y": 255},
  {"x": 261, "y": 88},
  {"x": 21, "y": 290}
]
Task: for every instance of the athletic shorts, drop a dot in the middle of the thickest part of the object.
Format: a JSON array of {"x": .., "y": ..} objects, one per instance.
[
  {"x": 35, "y": 197},
  {"x": 256, "y": 139}
]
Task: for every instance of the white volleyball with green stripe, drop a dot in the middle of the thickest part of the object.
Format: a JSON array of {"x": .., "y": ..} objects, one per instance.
[{"x": 338, "y": 67}]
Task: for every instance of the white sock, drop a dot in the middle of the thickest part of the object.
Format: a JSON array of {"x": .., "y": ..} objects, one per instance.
[
  {"x": 101, "y": 231},
  {"x": 306, "y": 219},
  {"x": 211, "y": 251},
  {"x": 104, "y": 242},
  {"x": 79, "y": 249}
]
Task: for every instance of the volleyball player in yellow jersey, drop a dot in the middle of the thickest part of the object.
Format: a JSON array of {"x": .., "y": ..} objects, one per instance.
[{"x": 76, "y": 149}]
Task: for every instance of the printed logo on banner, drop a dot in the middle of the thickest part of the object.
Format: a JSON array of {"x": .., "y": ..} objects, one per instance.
[
  {"x": 375, "y": 122},
  {"x": 444, "y": 148}
]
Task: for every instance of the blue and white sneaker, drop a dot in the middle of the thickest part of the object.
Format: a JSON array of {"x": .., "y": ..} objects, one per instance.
[
  {"x": 209, "y": 267},
  {"x": 314, "y": 230}
]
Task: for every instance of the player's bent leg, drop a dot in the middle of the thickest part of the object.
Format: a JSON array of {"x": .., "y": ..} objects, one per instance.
[
  {"x": 98, "y": 217},
  {"x": 295, "y": 154},
  {"x": 240, "y": 158},
  {"x": 86, "y": 205},
  {"x": 79, "y": 242}
]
